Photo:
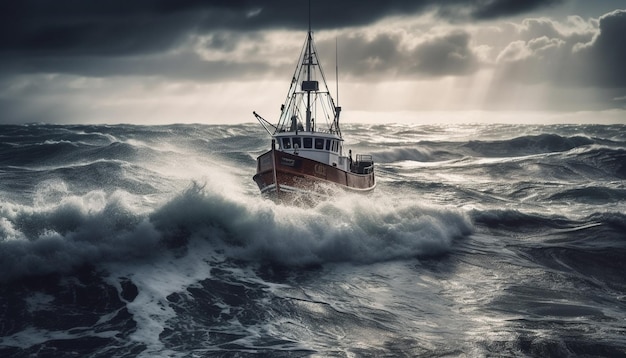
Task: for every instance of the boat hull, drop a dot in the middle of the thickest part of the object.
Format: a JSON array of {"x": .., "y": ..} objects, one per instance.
[{"x": 284, "y": 175}]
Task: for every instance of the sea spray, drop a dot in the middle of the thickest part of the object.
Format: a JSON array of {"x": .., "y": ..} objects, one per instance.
[
  {"x": 58, "y": 235},
  {"x": 347, "y": 228}
]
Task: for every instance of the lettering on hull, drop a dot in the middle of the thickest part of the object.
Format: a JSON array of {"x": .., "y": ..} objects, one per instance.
[
  {"x": 320, "y": 170},
  {"x": 287, "y": 162}
]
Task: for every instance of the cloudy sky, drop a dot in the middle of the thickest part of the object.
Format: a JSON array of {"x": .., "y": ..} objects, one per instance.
[{"x": 215, "y": 61}]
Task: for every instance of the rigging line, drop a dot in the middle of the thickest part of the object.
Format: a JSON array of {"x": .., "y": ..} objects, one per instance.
[
  {"x": 296, "y": 77},
  {"x": 326, "y": 115},
  {"x": 321, "y": 72}
]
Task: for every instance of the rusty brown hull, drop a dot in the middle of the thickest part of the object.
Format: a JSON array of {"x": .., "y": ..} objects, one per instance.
[{"x": 280, "y": 174}]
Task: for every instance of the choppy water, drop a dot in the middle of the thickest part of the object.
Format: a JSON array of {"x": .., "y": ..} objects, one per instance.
[{"x": 488, "y": 240}]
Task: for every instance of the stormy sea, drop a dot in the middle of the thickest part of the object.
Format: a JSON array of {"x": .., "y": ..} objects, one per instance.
[{"x": 153, "y": 241}]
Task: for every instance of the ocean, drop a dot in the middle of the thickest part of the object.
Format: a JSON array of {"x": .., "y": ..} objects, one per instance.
[{"x": 153, "y": 241}]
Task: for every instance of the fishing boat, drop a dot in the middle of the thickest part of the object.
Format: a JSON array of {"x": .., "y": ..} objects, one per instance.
[{"x": 307, "y": 154}]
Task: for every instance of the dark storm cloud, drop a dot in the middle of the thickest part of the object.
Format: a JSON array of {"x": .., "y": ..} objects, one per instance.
[
  {"x": 583, "y": 69},
  {"x": 449, "y": 54},
  {"x": 580, "y": 58},
  {"x": 385, "y": 57},
  {"x": 363, "y": 56},
  {"x": 489, "y": 9},
  {"x": 608, "y": 50},
  {"x": 71, "y": 28},
  {"x": 115, "y": 27},
  {"x": 114, "y": 37}
]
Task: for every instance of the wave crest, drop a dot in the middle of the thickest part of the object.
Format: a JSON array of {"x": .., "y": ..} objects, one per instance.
[
  {"x": 347, "y": 229},
  {"x": 77, "y": 230},
  {"x": 97, "y": 228},
  {"x": 527, "y": 145}
]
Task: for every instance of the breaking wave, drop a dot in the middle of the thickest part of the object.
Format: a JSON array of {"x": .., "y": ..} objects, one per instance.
[
  {"x": 526, "y": 145},
  {"x": 65, "y": 231}
]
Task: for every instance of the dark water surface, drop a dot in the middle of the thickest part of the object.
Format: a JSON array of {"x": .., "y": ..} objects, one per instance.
[{"x": 487, "y": 240}]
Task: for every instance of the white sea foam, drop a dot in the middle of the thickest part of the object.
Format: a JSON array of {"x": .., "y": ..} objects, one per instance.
[
  {"x": 155, "y": 281},
  {"x": 63, "y": 230},
  {"x": 349, "y": 228}
]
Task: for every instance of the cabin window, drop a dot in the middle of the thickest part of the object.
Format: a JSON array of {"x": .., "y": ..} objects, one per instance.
[
  {"x": 327, "y": 144},
  {"x": 319, "y": 143},
  {"x": 286, "y": 143},
  {"x": 334, "y": 146},
  {"x": 308, "y": 142},
  {"x": 296, "y": 142}
]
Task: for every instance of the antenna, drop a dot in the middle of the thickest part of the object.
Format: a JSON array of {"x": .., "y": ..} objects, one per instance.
[
  {"x": 337, "y": 71},
  {"x": 337, "y": 106}
]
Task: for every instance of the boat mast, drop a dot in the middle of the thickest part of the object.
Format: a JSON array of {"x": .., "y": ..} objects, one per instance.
[{"x": 308, "y": 75}]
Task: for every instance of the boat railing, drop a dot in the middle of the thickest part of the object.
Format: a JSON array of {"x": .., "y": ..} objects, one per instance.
[
  {"x": 364, "y": 164},
  {"x": 322, "y": 131},
  {"x": 367, "y": 170}
]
